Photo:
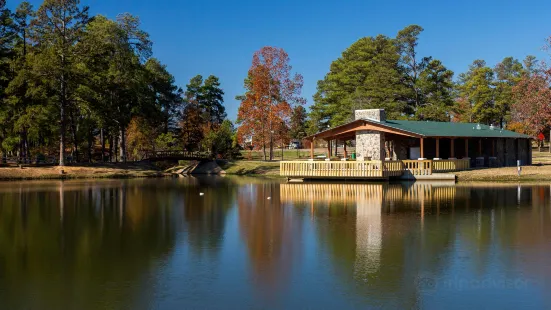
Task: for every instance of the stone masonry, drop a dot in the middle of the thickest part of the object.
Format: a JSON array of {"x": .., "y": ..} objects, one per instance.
[{"x": 370, "y": 144}]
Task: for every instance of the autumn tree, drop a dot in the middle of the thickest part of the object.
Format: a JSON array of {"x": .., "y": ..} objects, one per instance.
[
  {"x": 531, "y": 110},
  {"x": 271, "y": 93},
  {"x": 531, "y": 107}
]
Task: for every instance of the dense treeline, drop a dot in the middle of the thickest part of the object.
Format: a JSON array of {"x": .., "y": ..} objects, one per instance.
[
  {"x": 383, "y": 72},
  {"x": 74, "y": 85}
]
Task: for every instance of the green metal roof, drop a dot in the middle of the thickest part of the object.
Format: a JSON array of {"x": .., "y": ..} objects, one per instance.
[{"x": 449, "y": 129}]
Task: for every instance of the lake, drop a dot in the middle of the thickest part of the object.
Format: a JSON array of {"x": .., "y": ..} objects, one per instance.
[{"x": 249, "y": 243}]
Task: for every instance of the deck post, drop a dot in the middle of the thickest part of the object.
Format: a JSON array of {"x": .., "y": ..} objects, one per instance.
[
  {"x": 328, "y": 149},
  {"x": 437, "y": 148},
  {"x": 480, "y": 147},
  {"x": 312, "y": 148},
  {"x": 345, "y": 152},
  {"x": 452, "y": 146},
  {"x": 422, "y": 147}
]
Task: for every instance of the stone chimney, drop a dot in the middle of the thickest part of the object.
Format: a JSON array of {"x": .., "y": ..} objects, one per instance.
[
  {"x": 377, "y": 115},
  {"x": 370, "y": 143}
]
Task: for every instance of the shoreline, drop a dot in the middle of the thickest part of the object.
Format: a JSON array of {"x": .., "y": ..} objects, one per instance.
[{"x": 535, "y": 174}]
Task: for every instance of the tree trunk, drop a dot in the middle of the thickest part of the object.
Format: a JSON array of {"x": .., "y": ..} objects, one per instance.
[
  {"x": 102, "y": 141},
  {"x": 115, "y": 147},
  {"x": 75, "y": 137},
  {"x": 26, "y": 146},
  {"x": 271, "y": 147},
  {"x": 264, "y": 149},
  {"x": 122, "y": 145},
  {"x": 90, "y": 145},
  {"x": 110, "y": 148},
  {"x": 62, "y": 134}
]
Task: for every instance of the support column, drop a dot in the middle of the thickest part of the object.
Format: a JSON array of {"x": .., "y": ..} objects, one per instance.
[
  {"x": 437, "y": 148},
  {"x": 345, "y": 152},
  {"x": 328, "y": 149},
  {"x": 422, "y": 148},
  {"x": 452, "y": 148},
  {"x": 312, "y": 148},
  {"x": 480, "y": 147}
]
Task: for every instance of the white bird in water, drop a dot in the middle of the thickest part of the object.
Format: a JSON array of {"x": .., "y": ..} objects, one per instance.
[
  {"x": 201, "y": 194},
  {"x": 269, "y": 198}
]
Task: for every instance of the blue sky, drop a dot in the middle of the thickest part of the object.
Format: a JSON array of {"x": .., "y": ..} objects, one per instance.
[{"x": 219, "y": 36}]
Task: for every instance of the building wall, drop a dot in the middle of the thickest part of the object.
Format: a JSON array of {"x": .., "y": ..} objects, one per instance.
[
  {"x": 370, "y": 144},
  {"x": 510, "y": 152},
  {"x": 523, "y": 151}
]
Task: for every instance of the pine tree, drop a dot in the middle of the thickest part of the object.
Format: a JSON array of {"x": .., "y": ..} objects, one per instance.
[{"x": 58, "y": 27}]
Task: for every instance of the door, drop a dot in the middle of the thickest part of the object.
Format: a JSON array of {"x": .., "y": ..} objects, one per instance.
[{"x": 414, "y": 153}]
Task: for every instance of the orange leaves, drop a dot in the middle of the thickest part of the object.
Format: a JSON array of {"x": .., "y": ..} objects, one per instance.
[
  {"x": 271, "y": 93},
  {"x": 532, "y": 104}
]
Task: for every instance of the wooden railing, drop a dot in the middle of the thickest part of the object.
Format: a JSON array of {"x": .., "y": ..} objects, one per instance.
[
  {"x": 394, "y": 168},
  {"x": 332, "y": 169},
  {"x": 451, "y": 165},
  {"x": 418, "y": 167},
  {"x": 369, "y": 169}
]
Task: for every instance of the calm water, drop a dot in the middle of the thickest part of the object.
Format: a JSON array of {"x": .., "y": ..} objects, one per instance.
[{"x": 247, "y": 243}]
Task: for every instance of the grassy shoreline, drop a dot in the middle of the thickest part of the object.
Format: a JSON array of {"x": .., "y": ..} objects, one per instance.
[
  {"x": 84, "y": 171},
  {"x": 539, "y": 172}
]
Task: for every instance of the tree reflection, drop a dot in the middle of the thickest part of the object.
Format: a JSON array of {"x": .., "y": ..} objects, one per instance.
[
  {"x": 62, "y": 247},
  {"x": 270, "y": 232},
  {"x": 205, "y": 215}
]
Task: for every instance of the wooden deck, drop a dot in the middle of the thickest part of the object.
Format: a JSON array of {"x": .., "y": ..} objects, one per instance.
[{"x": 368, "y": 169}]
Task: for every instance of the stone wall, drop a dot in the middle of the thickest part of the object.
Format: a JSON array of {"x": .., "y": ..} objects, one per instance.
[
  {"x": 372, "y": 114},
  {"x": 370, "y": 144},
  {"x": 401, "y": 147}
]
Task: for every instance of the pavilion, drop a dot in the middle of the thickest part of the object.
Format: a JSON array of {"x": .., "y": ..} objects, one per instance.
[{"x": 436, "y": 146}]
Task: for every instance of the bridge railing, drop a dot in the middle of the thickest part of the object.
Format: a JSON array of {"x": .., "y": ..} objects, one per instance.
[{"x": 149, "y": 154}]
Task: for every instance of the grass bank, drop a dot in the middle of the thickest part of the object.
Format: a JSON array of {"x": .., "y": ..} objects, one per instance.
[
  {"x": 539, "y": 172},
  {"x": 508, "y": 174},
  {"x": 244, "y": 167},
  {"x": 83, "y": 171}
]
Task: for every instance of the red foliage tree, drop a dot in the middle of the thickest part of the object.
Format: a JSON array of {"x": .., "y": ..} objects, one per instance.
[
  {"x": 531, "y": 109},
  {"x": 271, "y": 93}
]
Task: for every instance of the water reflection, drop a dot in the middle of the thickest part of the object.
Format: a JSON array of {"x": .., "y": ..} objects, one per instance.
[
  {"x": 253, "y": 243},
  {"x": 388, "y": 240},
  {"x": 271, "y": 233}
]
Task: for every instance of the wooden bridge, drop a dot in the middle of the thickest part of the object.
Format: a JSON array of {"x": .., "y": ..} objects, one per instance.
[{"x": 175, "y": 155}]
